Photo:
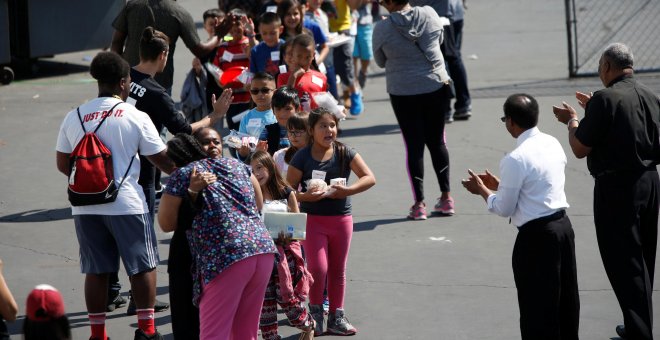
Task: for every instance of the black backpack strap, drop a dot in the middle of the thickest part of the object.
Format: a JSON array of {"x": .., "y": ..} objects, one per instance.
[
  {"x": 125, "y": 173},
  {"x": 104, "y": 118},
  {"x": 80, "y": 118}
]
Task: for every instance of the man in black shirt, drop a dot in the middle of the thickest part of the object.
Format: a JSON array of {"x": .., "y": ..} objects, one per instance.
[
  {"x": 150, "y": 97},
  {"x": 167, "y": 16},
  {"x": 620, "y": 137}
]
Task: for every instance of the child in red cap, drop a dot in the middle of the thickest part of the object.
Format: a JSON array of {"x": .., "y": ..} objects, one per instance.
[{"x": 44, "y": 315}]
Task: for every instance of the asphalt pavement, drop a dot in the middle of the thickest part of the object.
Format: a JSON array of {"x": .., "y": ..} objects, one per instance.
[{"x": 443, "y": 278}]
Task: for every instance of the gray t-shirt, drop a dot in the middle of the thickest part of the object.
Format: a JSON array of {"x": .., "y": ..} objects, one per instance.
[
  {"x": 333, "y": 168},
  {"x": 166, "y": 16}
]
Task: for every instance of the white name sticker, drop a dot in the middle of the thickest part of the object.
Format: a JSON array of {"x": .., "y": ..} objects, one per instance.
[
  {"x": 282, "y": 68},
  {"x": 228, "y": 56},
  {"x": 254, "y": 122},
  {"x": 318, "y": 174},
  {"x": 271, "y": 9},
  {"x": 318, "y": 81},
  {"x": 275, "y": 55}
]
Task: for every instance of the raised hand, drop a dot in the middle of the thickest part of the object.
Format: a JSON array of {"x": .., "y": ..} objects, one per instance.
[{"x": 221, "y": 105}]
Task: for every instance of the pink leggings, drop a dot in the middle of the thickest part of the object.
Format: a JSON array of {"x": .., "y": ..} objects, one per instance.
[
  {"x": 326, "y": 247},
  {"x": 230, "y": 304}
]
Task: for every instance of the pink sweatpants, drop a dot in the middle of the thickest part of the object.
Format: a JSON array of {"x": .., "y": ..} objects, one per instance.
[
  {"x": 230, "y": 304},
  {"x": 326, "y": 248}
]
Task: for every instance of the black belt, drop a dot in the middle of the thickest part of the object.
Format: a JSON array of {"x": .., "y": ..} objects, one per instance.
[{"x": 544, "y": 220}]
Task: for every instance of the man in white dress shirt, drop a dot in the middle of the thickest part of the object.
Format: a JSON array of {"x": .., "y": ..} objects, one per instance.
[{"x": 531, "y": 193}]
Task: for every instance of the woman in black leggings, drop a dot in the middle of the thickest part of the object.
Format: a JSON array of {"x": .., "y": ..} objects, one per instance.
[{"x": 407, "y": 45}]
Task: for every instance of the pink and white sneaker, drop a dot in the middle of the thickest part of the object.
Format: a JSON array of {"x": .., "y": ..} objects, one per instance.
[
  {"x": 417, "y": 212},
  {"x": 444, "y": 207}
]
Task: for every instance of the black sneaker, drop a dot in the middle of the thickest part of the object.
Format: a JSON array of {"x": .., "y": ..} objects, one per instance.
[
  {"x": 139, "y": 335},
  {"x": 117, "y": 302},
  {"x": 621, "y": 332},
  {"x": 132, "y": 309},
  {"x": 463, "y": 115}
]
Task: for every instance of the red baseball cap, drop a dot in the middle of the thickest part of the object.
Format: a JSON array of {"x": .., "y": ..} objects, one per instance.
[{"x": 44, "y": 303}]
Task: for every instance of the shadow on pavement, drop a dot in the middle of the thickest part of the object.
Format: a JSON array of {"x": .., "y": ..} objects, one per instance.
[
  {"x": 371, "y": 130},
  {"x": 42, "y": 68},
  {"x": 371, "y": 225},
  {"x": 38, "y": 215}
]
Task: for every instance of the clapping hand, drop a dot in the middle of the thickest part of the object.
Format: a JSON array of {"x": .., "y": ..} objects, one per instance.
[
  {"x": 473, "y": 184},
  {"x": 583, "y": 98},
  {"x": 564, "y": 113},
  {"x": 489, "y": 180}
]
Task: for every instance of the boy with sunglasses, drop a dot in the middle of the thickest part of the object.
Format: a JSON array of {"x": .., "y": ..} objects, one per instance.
[{"x": 255, "y": 121}]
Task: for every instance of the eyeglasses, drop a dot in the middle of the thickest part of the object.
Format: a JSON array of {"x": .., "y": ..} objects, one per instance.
[
  {"x": 264, "y": 90},
  {"x": 297, "y": 133},
  {"x": 503, "y": 119}
]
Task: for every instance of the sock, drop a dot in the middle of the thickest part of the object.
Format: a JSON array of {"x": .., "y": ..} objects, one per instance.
[
  {"x": 97, "y": 323},
  {"x": 146, "y": 321}
]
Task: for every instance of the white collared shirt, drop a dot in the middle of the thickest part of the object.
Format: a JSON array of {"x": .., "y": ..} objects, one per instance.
[{"x": 531, "y": 179}]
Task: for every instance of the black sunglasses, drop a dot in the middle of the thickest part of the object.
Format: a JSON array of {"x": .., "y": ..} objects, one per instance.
[{"x": 264, "y": 90}]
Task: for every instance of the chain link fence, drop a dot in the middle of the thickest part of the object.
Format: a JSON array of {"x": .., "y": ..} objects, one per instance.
[{"x": 594, "y": 24}]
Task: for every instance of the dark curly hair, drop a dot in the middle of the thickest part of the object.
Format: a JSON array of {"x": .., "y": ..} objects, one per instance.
[
  {"x": 184, "y": 148},
  {"x": 108, "y": 68}
]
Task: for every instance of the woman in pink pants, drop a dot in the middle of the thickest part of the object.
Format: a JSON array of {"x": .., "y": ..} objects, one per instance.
[
  {"x": 328, "y": 208},
  {"x": 231, "y": 248}
]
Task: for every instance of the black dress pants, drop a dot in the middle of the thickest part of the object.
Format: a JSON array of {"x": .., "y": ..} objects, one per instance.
[
  {"x": 626, "y": 218},
  {"x": 545, "y": 273}
]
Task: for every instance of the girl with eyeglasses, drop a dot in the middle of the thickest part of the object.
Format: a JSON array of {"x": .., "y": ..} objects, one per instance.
[{"x": 297, "y": 131}]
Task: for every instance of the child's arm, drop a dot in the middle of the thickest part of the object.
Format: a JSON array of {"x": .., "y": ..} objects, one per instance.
[
  {"x": 366, "y": 180},
  {"x": 258, "y": 196},
  {"x": 249, "y": 33},
  {"x": 323, "y": 53},
  {"x": 294, "y": 76},
  {"x": 293, "y": 202},
  {"x": 293, "y": 176}
]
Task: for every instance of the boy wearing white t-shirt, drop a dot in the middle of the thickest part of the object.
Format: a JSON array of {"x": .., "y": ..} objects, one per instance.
[{"x": 121, "y": 228}]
